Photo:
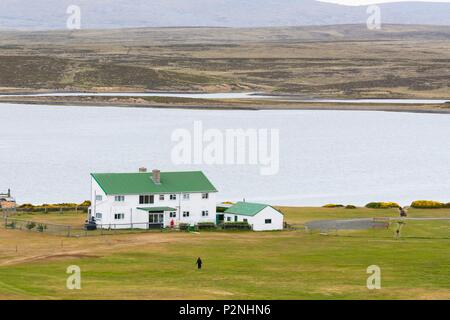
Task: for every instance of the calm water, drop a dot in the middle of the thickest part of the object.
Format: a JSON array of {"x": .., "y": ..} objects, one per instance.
[{"x": 47, "y": 153}]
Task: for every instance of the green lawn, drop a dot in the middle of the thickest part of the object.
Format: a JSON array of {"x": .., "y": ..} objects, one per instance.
[{"x": 237, "y": 265}]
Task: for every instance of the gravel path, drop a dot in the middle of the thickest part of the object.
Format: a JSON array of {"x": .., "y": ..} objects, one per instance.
[{"x": 358, "y": 224}]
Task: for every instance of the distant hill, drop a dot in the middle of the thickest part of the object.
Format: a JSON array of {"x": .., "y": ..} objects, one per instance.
[{"x": 51, "y": 14}]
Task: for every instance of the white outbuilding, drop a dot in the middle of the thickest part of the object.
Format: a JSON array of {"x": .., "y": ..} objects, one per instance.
[{"x": 261, "y": 217}]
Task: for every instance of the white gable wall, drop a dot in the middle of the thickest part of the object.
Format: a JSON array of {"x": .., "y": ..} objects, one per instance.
[{"x": 258, "y": 221}]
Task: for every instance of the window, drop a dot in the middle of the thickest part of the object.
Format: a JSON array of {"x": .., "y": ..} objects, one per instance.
[
  {"x": 156, "y": 218},
  {"x": 173, "y": 197},
  {"x": 268, "y": 221},
  {"x": 146, "y": 199},
  {"x": 185, "y": 214},
  {"x": 173, "y": 214},
  {"x": 186, "y": 196},
  {"x": 119, "y": 198},
  {"x": 205, "y": 213},
  {"x": 246, "y": 220},
  {"x": 205, "y": 195},
  {"x": 98, "y": 198},
  {"x": 119, "y": 216},
  {"x": 98, "y": 215},
  {"x": 161, "y": 197},
  {"x": 235, "y": 218},
  {"x": 228, "y": 219}
]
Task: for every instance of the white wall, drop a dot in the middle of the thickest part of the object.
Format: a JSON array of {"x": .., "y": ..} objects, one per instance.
[
  {"x": 139, "y": 218},
  {"x": 258, "y": 221}
]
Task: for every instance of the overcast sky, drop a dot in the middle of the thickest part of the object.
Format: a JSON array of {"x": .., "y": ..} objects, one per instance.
[{"x": 365, "y": 2}]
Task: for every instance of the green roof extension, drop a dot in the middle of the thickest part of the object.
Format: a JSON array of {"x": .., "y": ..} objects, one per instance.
[
  {"x": 246, "y": 208},
  {"x": 142, "y": 183}
]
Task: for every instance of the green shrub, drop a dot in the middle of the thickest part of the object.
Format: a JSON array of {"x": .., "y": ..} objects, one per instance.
[
  {"x": 86, "y": 203},
  {"x": 332, "y": 205},
  {"x": 236, "y": 225},
  {"x": 350, "y": 206},
  {"x": 427, "y": 204},
  {"x": 183, "y": 226},
  {"x": 206, "y": 225},
  {"x": 30, "y": 225},
  {"x": 26, "y": 206},
  {"x": 41, "y": 227},
  {"x": 382, "y": 205},
  {"x": 11, "y": 225}
]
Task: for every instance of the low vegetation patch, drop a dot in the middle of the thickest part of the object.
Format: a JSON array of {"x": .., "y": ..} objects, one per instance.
[
  {"x": 28, "y": 207},
  {"x": 332, "y": 205},
  {"x": 382, "y": 205},
  {"x": 206, "y": 226},
  {"x": 183, "y": 226},
  {"x": 236, "y": 226},
  {"x": 429, "y": 204}
]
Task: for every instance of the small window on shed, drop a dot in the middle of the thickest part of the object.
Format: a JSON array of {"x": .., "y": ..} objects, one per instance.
[{"x": 268, "y": 221}]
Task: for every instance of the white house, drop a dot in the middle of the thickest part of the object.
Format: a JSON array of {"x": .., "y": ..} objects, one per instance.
[
  {"x": 261, "y": 217},
  {"x": 151, "y": 200}
]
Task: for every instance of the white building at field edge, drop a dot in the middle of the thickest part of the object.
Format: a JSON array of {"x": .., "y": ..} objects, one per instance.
[
  {"x": 261, "y": 217},
  {"x": 146, "y": 200}
]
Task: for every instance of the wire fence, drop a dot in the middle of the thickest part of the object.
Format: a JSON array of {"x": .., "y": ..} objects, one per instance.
[
  {"x": 10, "y": 222},
  {"x": 79, "y": 230}
]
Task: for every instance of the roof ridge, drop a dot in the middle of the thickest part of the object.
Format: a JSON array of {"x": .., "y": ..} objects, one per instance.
[{"x": 149, "y": 172}]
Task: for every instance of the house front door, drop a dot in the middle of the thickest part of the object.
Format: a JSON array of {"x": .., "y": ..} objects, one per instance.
[{"x": 155, "y": 220}]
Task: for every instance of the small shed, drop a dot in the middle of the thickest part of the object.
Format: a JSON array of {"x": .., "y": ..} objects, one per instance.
[{"x": 262, "y": 217}]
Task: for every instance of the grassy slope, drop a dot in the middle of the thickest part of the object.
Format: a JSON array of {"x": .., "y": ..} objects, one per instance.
[
  {"x": 243, "y": 265},
  {"x": 334, "y": 61}
]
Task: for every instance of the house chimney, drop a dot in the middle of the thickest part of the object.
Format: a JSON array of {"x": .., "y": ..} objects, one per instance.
[
  {"x": 142, "y": 169},
  {"x": 156, "y": 176}
]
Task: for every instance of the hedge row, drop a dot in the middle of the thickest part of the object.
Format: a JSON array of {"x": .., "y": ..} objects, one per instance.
[
  {"x": 211, "y": 226},
  {"x": 382, "y": 205},
  {"x": 332, "y": 205},
  {"x": 428, "y": 204},
  {"x": 86, "y": 203}
]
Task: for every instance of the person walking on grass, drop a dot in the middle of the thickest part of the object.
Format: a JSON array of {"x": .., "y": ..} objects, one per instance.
[
  {"x": 402, "y": 212},
  {"x": 199, "y": 263}
]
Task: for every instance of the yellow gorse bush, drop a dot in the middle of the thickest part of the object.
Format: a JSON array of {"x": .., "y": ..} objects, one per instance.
[
  {"x": 428, "y": 204},
  {"x": 382, "y": 205}
]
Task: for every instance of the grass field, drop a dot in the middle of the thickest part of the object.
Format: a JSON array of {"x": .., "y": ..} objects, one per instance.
[
  {"x": 329, "y": 61},
  {"x": 237, "y": 265}
]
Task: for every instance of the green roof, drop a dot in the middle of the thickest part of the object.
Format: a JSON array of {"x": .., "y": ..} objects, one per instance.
[
  {"x": 141, "y": 182},
  {"x": 246, "y": 208},
  {"x": 157, "y": 209}
]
